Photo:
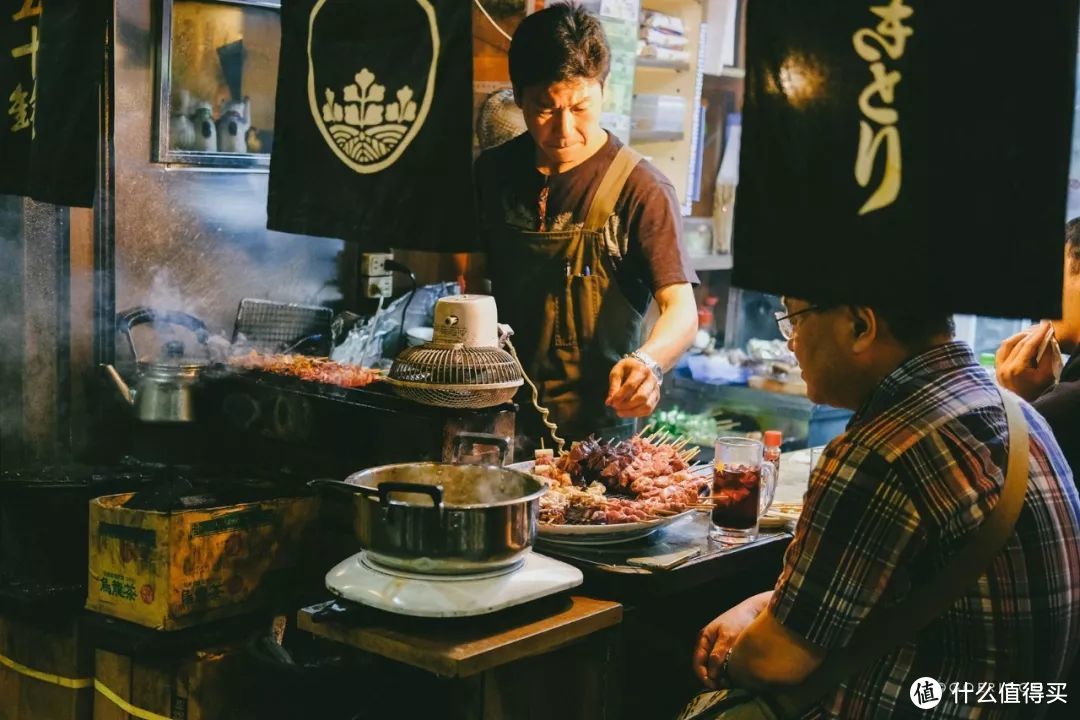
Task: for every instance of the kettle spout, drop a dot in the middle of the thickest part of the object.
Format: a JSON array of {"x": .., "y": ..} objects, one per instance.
[{"x": 121, "y": 386}]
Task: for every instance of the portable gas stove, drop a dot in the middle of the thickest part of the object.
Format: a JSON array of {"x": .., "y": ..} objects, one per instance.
[{"x": 361, "y": 580}]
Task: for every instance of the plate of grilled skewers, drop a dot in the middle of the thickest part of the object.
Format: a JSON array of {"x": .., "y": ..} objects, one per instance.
[{"x": 608, "y": 491}]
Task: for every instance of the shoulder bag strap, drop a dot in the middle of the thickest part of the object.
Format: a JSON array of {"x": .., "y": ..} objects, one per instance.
[{"x": 885, "y": 630}]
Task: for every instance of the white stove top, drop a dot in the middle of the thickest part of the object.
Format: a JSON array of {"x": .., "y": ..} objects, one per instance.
[{"x": 358, "y": 580}]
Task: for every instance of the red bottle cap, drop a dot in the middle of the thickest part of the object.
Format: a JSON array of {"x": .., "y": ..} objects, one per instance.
[{"x": 773, "y": 438}]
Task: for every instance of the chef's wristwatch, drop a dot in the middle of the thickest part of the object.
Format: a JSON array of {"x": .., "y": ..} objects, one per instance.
[{"x": 654, "y": 367}]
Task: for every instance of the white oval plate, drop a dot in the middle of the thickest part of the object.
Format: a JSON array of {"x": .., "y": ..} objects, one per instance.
[
  {"x": 598, "y": 534},
  {"x": 605, "y": 534}
]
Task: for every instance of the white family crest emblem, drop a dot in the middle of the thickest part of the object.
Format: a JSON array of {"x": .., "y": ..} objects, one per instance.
[{"x": 367, "y": 128}]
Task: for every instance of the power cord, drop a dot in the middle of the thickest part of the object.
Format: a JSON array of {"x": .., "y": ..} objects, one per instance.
[
  {"x": 395, "y": 266},
  {"x": 491, "y": 19},
  {"x": 544, "y": 412}
]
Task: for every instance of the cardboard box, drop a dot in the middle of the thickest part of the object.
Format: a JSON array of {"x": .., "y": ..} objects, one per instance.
[
  {"x": 46, "y": 670},
  {"x": 199, "y": 685},
  {"x": 170, "y": 570}
]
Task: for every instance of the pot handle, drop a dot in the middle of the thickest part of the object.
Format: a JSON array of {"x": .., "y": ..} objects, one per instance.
[
  {"x": 465, "y": 438},
  {"x": 435, "y": 492},
  {"x": 342, "y": 487}
]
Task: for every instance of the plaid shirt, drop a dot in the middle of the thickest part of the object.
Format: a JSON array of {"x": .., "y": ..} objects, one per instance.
[{"x": 892, "y": 499}]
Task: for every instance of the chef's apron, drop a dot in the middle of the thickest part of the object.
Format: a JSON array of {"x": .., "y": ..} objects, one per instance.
[{"x": 571, "y": 322}]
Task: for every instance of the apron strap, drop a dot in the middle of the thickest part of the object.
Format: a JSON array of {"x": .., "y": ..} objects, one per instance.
[{"x": 611, "y": 187}]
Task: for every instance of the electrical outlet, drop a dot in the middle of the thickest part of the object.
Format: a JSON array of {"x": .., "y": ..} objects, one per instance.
[
  {"x": 381, "y": 286},
  {"x": 374, "y": 263}
]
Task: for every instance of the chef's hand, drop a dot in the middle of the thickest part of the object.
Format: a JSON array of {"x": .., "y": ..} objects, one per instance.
[
  {"x": 716, "y": 638},
  {"x": 632, "y": 389},
  {"x": 1015, "y": 362}
]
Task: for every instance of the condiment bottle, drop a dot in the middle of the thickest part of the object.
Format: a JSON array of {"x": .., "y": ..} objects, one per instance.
[
  {"x": 706, "y": 316},
  {"x": 771, "y": 453}
]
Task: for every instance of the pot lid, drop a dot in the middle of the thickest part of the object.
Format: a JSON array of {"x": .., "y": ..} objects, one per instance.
[
  {"x": 174, "y": 366},
  {"x": 185, "y": 361},
  {"x": 172, "y": 358}
]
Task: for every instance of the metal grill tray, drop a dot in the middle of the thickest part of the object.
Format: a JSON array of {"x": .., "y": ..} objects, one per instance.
[
  {"x": 273, "y": 326},
  {"x": 377, "y": 394}
]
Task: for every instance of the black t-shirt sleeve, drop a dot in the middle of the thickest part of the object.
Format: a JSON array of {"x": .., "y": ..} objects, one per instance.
[{"x": 655, "y": 230}]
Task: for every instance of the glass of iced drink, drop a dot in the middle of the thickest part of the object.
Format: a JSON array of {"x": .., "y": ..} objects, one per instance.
[{"x": 743, "y": 486}]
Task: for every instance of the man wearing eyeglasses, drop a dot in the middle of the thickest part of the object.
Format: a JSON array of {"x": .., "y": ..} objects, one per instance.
[{"x": 920, "y": 465}]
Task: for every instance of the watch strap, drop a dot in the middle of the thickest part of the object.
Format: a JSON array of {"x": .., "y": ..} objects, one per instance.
[{"x": 646, "y": 360}]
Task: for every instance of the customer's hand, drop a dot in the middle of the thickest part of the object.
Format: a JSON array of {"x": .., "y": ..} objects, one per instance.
[
  {"x": 1016, "y": 367},
  {"x": 716, "y": 638}
]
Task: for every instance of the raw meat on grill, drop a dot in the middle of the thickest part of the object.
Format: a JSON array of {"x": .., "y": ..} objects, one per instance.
[{"x": 314, "y": 369}]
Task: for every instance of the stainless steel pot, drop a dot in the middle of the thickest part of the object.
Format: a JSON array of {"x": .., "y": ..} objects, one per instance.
[{"x": 443, "y": 518}]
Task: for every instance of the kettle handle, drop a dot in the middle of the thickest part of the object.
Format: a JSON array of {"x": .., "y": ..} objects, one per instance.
[
  {"x": 465, "y": 438},
  {"x": 128, "y": 319}
]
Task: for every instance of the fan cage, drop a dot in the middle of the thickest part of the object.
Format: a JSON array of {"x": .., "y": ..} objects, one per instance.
[{"x": 456, "y": 376}]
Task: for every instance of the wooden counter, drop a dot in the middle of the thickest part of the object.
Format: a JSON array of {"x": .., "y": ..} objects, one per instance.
[
  {"x": 557, "y": 658},
  {"x": 608, "y": 573},
  {"x": 460, "y": 647}
]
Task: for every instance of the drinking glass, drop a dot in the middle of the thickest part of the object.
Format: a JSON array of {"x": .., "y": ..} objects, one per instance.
[{"x": 743, "y": 487}]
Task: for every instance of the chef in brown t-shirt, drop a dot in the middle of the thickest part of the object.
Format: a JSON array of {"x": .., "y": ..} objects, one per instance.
[{"x": 581, "y": 232}]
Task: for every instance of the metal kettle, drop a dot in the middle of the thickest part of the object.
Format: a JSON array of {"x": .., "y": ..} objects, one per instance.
[{"x": 164, "y": 389}]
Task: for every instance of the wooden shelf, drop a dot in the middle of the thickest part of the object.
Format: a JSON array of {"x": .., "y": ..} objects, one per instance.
[
  {"x": 712, "y": 262},
  {"x": 656, "y": 64},
  {"x": 674, "y": 154},
  {"x": 651, "y": 136},
  {"x": 729, "y": 78}
]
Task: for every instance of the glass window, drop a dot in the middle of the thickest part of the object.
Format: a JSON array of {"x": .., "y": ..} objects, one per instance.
[
  {"x": 985, "y": 334},
  {"x": 1073, "y": 207},
  {"x": 218, "y": 75}
]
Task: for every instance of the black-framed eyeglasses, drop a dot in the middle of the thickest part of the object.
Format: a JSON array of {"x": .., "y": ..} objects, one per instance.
[{"x": 783, "y": 320}]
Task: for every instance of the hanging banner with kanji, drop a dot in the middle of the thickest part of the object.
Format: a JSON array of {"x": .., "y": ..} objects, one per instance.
[
  {"x": 51, "y": 64},
  {"x": 373, "y": 136},
  {"x": 907, "y": 153}
]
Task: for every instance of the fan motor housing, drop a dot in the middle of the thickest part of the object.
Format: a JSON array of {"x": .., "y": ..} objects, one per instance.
[
  {"x": 471, "y": 320},
  {"x": 463, "y": 366}
]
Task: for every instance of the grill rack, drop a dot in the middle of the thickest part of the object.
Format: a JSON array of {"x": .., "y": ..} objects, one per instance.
[{"x": 270, "y": 326}]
